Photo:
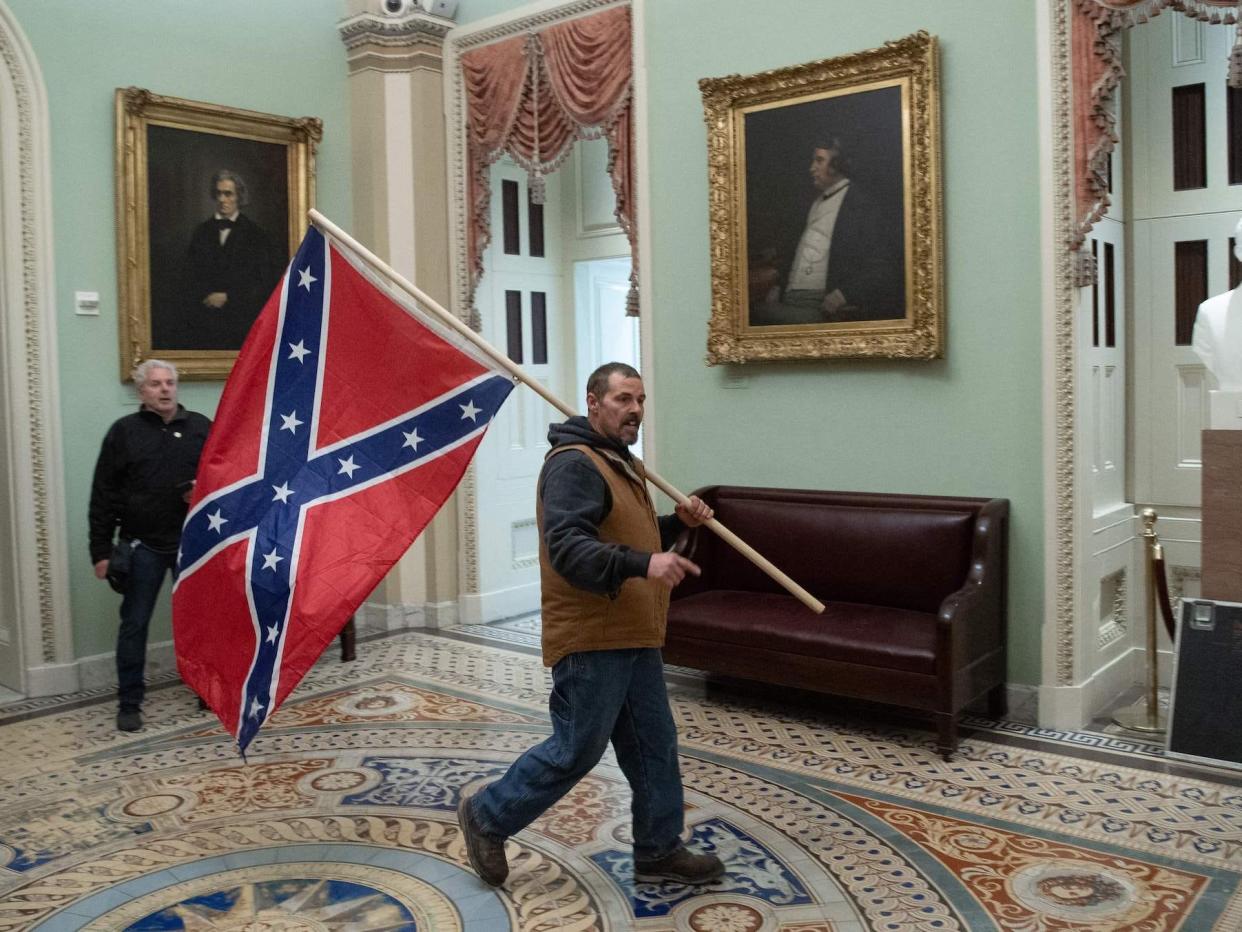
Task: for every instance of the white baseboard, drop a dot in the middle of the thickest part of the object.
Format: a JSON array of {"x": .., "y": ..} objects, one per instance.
[
  {"x": 377, "y": 618},
  {"x": 1062, "y": 708},
  {"x": 1023, "y": 703},
  {"x": 1072, "y": 708},
  {"x": 99, "y": 670},
  {"x": 481, "y": 608},
  {"x": 441, "y": 614},
  {"x": 57, "y": 679}
]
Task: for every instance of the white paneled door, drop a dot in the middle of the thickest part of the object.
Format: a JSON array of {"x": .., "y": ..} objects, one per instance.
[
  {"x": 1173, "y": 253},
  {"x": 1185, "y": 201},
  {"x": 521, "y": 306}
]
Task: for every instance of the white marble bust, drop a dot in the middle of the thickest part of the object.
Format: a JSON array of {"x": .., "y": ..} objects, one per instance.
[{"x": 1217, "y": 338}]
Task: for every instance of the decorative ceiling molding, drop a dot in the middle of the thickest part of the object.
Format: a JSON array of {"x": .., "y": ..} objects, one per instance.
[
  {"x": 368, "y": 28},
  {"x": 378, "y": 43}
]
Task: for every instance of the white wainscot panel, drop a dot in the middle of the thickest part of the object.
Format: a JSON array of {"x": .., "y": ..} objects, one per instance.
[
  {"x": 1187, "y": 41},
  {"x": 1191, "y": 412}
]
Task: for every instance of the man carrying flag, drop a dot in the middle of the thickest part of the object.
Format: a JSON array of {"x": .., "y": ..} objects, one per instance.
[
  {"x": 346, "y": 423},
  {"x": 348, "y": 420},
  {"x": 605, "y": 577}
]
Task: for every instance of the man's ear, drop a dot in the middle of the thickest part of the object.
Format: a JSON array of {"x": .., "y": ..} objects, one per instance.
[{"x": 592, "y": 401}]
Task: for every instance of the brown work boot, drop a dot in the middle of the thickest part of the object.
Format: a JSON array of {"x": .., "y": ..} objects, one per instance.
[
  {"x": 682, "y": 866},
  {"x": 486, "y": 854}
]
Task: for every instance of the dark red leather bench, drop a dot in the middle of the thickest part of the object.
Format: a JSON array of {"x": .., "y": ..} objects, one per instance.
[{"x": 914, "y": 588}]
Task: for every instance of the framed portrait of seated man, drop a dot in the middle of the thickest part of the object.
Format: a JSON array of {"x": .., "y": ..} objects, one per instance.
[
  {"x": 825, "y": 208},
  {"x": 211, "y": 203}
]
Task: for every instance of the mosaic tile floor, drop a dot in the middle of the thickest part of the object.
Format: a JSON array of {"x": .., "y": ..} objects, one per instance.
[{"x": 343, "y": 818}]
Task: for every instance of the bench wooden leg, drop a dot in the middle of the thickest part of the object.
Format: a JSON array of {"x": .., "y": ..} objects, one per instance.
[
  {"x": 946, "y": 725},
  {"x": 998, "y": 702},
  {"x": 348, "y": 640}
]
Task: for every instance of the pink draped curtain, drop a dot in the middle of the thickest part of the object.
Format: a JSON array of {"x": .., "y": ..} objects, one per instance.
[
  {"x": 1096, "y": 60},
  {"x": 532, "y": 97}
]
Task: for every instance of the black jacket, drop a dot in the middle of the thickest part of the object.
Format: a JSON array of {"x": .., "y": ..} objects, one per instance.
[
  {"x": 143, "y": 469},
  {"x": 576, "y": 500}
]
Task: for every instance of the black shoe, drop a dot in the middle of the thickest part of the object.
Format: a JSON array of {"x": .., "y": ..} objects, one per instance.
[
  {"x": 682, "y": 866},
  {"x": 202, "y": 704},
  {"x": 128, "y": 720},
  {"x": 487, "y": 855}
]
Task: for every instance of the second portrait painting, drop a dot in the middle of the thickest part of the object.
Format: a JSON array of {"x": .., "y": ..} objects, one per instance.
[
  {"x": 824, "y": 198},
  {"x": 825, "y": 224}
]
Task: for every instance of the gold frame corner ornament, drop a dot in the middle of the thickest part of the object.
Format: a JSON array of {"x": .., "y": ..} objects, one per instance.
[
  {"x": 138, "y": 108},
  {"x": 910, "y": 63}
]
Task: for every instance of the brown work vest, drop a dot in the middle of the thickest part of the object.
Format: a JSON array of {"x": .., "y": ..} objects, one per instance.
[{"x": 576, "y": 620}]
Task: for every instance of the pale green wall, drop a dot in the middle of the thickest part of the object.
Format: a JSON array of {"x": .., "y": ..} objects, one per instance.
[
  {"x": 275, "y": 56},
  {"x": 471, "y": 11},
  {"x": 966, "y": 425}
]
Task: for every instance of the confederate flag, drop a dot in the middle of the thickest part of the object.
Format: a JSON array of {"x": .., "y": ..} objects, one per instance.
[{"x": 349, "y": 418}]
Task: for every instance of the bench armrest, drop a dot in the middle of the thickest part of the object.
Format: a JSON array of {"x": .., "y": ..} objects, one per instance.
[{"x": 971, "y": 622}]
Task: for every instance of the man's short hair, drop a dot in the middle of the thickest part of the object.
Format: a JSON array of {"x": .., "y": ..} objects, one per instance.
[
  {"x": 597, "y": 384},
  {"x": 143, "y": 369},
  {"x": 841, "y": 163},
  {"x": 225, "y": 174}
]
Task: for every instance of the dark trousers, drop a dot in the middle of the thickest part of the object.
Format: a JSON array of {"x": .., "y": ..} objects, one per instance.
[
  {"x": 146, "y": 575},
  {"x": 597, "y": 697}
]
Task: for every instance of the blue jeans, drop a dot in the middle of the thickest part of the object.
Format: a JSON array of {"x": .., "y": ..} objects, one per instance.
[
  {"x": 146, "y": 575},
  {"x": 597, "y": 697}
]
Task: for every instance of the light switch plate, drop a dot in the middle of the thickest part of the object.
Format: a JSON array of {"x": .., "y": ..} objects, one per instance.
[{"x": 86, "y": 303}]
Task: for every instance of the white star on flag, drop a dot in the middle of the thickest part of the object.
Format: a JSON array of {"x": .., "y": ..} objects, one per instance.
[
  {"x": 272, "y": 632},
  {"x": 270, "y": 560},
  {"x": 348, "y": 467},
  {"x": 468, "y": 410},
  {"x": 291, "y": 422},
  {"x": 306, "y": 279},
  {"x": 216, "y": 521},
  {"x": 412, "y": 440},
  {"x": 255, "y": 708},
  {"x": 282, "y": 493},
  {"x": 298, "y": 350}
]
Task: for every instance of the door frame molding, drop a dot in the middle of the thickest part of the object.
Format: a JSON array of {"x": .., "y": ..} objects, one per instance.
[
  {"x": 28, "y": 342},
  {"x": 1065, "y": 501},
  {"x": 459, "y": 41}
]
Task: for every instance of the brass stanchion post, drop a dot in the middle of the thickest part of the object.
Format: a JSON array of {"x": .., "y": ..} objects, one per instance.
[{"x": 1146, "y": 714}]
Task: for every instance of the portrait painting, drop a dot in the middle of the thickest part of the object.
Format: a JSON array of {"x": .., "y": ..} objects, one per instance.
[
  {"x": 213, "y": 202},
  {"x": 825, "y": 208}
]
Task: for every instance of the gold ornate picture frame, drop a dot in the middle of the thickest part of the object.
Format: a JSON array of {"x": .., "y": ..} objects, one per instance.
[
  {"x": 825, "y": 208},
  {"x": 190, "y": 285}
]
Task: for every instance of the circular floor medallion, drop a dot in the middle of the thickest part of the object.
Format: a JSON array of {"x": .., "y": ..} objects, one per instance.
[
  {"x": 300, "y": 896},
  {"x": 1076, "y": 891},
  {"x": 724, "y": 913},
  {"x": 373, "y": 704}
]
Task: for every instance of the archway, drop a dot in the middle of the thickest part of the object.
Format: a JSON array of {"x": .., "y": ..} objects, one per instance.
[{"x": 36, "y": 641}]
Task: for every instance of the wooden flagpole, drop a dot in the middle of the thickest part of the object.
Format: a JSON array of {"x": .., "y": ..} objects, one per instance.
[{"x": 444, "y": 317}]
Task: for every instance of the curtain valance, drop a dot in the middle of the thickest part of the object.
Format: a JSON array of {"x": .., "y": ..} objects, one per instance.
[
  {"x": 1096, "y": 52},
  {"x": 532, "y": 97}
]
